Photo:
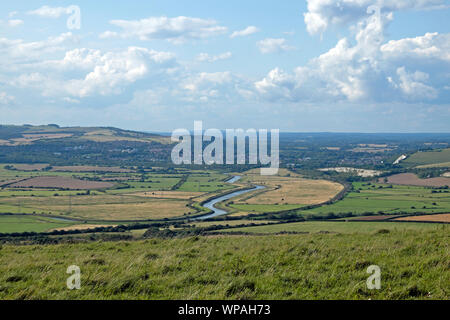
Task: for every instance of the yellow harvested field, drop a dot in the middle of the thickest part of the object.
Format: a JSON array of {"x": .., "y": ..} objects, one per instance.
[
  {"x": 82, "y": 227},
  {"x": 35, "y": 136},
  {"x": 151, "y": 209},
  {"x": 435, "y": 165},
  {"x": 289, "y": 188},
  {"x": 106, "y": 138},
  {"x": 27, "y": 139},
  {"x": 104, "y": 132},
  {"x": 31, "y": 167},
  {"x": 430, "y": 217},
  {"x": 239, "y": 214}
]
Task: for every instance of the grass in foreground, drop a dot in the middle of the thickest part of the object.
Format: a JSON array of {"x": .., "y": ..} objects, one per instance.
[
  {"x": 414, "y": 265},
  {"x": 339, "y": 227}
]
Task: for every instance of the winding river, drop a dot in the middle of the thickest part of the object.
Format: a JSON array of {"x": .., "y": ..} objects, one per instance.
[
  {"x": 209, "y": 204},
  {"x": 219, "y": 212}
]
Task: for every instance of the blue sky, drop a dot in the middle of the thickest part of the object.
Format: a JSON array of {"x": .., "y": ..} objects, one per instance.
[{"x": 315, "y": 65}]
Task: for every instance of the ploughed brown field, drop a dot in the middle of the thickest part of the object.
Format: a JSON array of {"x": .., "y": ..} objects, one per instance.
[
  {"x": 431, "y": 218},
  {"x": 8, "y": 182},
  {"x": 412, "y": 180},
  {"x": 61, "y": 183}
]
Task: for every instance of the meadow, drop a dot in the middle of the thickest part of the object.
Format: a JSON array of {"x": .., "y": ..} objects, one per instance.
[
  {"x": 12, "y": 223},
  {"x": 339, "y": 227},
  {"x": 127, "y": 196},
  {"x": 379, "y": 198},
  {"x": 414, "y": 265}
]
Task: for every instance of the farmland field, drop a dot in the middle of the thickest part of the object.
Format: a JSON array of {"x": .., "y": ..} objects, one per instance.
[
  {"x": 388, "y": 199},
  {"x": 412, "y": 180},
  {"x": 61, "y": 183},
  {"x": 11, "y": 224},
  {"x": 285, "y": 191},
  {"x": 436, "y": 165},
  {"x": 427, "y": 218},
  {"x": 309, "y": 266},
  {"x": 126, "y": 196}
]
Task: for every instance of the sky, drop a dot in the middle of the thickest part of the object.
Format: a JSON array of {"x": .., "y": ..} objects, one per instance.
[{"x": 298, "y": 66}]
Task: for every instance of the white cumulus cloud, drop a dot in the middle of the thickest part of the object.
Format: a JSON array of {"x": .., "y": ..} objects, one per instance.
[
  {"x": 176, "y": 30},
  {"x": 245, "y": 32},
  {"x": 431, "y": 45},
  {"x": 50, "y": 12},
  {"x": 15, "y": 22},
  {"x": 273, "y": 45},
  {"x": 5, "y": 98},
  {"x": 405, "y": 70},
  {"x": 413, "y": 85},
  {"x": 205, "y": 57},
  {"x": 13, "y": 51},
  {"x": 322, "y": 14}
]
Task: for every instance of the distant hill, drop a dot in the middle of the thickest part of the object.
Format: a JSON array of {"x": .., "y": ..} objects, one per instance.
[
  {"x": 80, "y": 145},
  {"x": 429, "y": 158},
  {"x": 27, "y": 134}
]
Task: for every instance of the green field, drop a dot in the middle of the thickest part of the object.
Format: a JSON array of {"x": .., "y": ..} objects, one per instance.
[
  {"x": 414, "y": 265},
  {"x": 259, "y": 208},
  {"x": 11, "y": 224},
  {"x": 202, "y": 183},
  {"x": 435, "y": 165},
  {"x": 428, "y": 158},
  {"x": 339, "y": 227},
  {"x": 375, "y": 198},
  {"x": 123, "y": 202},
  {"x": 6, "y": 175}
]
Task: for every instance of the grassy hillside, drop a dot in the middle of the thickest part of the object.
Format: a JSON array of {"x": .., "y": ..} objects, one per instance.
[
  {"x": 414, "y": 265},
  {"x": 27, "y": 134},
  {"x": 428, "y": 158},
  {"x": 67, "y": 146},
  {"x": 339, "y": 227}
]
